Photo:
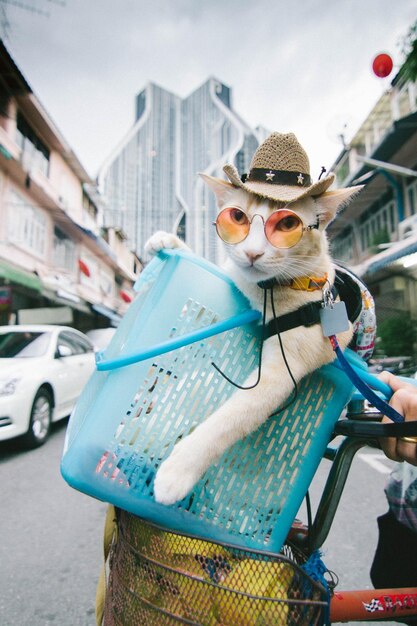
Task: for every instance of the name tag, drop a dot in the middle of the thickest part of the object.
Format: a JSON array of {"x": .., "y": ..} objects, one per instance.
[{"x": 334, "y": 319}]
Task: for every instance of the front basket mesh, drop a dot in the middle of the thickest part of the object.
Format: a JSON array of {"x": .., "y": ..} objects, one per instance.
[{"x": 160, "y": 578}]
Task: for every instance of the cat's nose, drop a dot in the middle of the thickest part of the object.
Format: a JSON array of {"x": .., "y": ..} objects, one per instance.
[{"x": 254, "y": 256}]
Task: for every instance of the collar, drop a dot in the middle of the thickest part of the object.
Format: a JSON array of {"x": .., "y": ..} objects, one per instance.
[
  {"x": 309, "y": 314},
  {"x": 309, "y": 283},
  {"x": 301, "y": 283}
]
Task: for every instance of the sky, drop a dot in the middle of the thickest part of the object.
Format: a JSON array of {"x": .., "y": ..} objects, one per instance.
[{"x": 301, "y": 66}]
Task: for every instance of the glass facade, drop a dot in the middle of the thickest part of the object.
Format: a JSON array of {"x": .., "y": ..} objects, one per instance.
[
  {"x": 138, "y": 183},
  {"x": 151, "y": 181}
]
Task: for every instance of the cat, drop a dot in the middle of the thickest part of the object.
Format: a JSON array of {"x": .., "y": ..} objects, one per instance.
[{"x": 253, "y": 260}]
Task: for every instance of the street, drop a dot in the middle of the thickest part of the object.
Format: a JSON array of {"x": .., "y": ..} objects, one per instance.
[{"x": 50, "y": 552}]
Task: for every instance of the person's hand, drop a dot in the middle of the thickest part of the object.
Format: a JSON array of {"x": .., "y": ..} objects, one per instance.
[{"x": 403, "y": 400}]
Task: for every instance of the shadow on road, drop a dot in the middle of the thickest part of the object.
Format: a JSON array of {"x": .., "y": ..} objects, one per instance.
[{"x": 13, "y": 447}]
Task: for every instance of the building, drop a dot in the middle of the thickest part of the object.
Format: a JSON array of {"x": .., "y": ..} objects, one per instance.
[
  {"x": 377, "y": 233},
  {"x": 55, "y": 265},
  {"x": 150, "y": 180},
  {"x": 138, "y": 180}
]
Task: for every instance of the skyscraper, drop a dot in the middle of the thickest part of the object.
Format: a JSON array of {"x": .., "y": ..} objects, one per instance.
[{"x": 150, "y": 181}]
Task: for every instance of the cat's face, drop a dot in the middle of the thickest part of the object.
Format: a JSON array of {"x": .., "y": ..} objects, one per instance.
[{"x": 255, "y": 257}]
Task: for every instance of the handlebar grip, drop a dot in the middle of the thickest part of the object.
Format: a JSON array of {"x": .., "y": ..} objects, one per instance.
[{"x": 360, "y": 428}]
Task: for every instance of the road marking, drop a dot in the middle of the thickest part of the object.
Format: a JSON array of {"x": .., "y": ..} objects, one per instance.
[{"x": 377, "y": 461}]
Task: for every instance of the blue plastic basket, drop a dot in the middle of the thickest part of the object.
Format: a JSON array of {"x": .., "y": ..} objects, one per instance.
[{"x": 143, "y": 399}]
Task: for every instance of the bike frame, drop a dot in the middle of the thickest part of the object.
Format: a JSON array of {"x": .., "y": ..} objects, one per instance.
[
  {"x": 374, "y": 605},
  {"x": 349, "y": 606}
]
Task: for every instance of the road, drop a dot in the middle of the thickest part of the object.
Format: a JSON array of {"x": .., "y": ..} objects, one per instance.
[{"x": 50, "y": 549}]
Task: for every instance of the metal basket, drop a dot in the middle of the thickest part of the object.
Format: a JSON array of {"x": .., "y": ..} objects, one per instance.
[{"x": 160, "y": 578}]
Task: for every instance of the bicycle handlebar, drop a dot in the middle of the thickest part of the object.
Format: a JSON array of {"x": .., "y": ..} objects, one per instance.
[{"x": 361, "y": 428}]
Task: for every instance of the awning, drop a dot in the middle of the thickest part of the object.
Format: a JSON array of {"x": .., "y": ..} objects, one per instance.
[
  {"x": 64, "y": 298},
  {"x": 101, "y": 243},
  {"x": 22, "y": 277},
  {"x": 401, "y": 136},
  {"x": 390, "y": 256},
  {"x": 114, "y": 317}
]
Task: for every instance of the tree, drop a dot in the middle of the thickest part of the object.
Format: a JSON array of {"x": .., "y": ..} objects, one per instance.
[
  {"x": 397, "y": 335},
  {"x": 409, "y": 50}
]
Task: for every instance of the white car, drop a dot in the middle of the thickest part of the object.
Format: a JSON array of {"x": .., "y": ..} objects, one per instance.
[
  {"x": 101, "y": 337},
  {"x": 43, "y": 369}
]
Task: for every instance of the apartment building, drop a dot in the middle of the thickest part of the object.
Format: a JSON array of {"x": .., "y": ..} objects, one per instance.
[
  {"x": 56, "y": 262},
  {"x": 376, "y": 234}
]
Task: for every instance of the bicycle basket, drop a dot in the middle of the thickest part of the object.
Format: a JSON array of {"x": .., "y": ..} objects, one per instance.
[
  {"x": 127, "y": 420},
  {"x": 159, "y": 578}
]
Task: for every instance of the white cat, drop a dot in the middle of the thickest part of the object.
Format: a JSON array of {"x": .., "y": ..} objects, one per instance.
[{"x": 250, "y": 261}]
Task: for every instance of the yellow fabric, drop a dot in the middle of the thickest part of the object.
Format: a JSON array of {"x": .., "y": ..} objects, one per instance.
[{"x": 110, "y": 535}]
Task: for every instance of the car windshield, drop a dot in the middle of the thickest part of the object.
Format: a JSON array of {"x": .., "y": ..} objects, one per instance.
[{"x": 25, "y": 344}]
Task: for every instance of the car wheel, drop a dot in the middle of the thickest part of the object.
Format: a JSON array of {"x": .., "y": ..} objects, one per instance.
[{"x": 40, "y": 420}]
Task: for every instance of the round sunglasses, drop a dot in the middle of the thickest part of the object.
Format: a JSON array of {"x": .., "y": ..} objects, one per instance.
[{"x": 283, "y": 228}]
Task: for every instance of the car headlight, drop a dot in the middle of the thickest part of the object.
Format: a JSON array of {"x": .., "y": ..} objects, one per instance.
[{"x": 8, "y": 386}]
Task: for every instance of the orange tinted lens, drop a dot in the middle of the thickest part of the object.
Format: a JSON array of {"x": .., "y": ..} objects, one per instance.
[
  {"x": 232, "y": 225},
  {"x": 283, "y": 229}
]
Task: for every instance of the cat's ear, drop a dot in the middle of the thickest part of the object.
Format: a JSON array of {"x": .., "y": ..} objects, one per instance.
[
  {"x": 330, "y": 203},
  {"x": 222, "y": 189}
]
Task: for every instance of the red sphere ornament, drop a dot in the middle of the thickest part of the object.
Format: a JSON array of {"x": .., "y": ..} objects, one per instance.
[{"x": 382, "y": 65}]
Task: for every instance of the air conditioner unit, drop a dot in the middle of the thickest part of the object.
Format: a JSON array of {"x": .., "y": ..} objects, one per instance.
[{"x": 407, "y": 227}]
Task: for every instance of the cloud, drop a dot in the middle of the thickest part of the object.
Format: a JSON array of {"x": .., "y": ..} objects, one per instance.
[{"x": 293, "y": 66}]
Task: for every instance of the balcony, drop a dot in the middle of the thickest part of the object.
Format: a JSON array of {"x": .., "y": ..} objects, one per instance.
[{"x": 385, "y": 128}]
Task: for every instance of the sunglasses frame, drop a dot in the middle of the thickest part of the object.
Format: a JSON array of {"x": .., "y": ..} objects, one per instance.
[{"x": 250, "y": 220}]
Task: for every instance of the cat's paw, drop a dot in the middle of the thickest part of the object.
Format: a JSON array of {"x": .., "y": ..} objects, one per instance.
[
  {"x": 162, "y": 240},
  {"x": 177, "y": 475}
]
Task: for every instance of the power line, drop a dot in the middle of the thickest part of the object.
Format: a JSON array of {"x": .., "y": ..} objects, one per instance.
[
  {"x": 32, "y": 7},
  {"x": 26, "y": 7}
]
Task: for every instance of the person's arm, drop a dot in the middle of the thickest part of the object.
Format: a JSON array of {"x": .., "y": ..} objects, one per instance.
[{"x": 403, "y": 400}]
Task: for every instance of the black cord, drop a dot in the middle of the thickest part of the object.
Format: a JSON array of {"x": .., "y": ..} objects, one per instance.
[
  {"x": 229, "y": 380},
  {"x": 295, "y": 390},
  {"x": 309, "y": 521}
]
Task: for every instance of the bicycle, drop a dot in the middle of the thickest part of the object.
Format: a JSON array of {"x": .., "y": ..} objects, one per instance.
[
  {"x": 170, "y": 578},
  {"x": 230, "y": 553}
]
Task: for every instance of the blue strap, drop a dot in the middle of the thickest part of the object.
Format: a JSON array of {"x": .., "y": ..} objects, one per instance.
[
  {"x": 371, "y": 380},
  {"x": 365, "y": 390}
]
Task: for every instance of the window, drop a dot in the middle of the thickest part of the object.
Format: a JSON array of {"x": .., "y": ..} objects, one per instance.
[
  {"x": 64, "y": 251},
  {"x": 24, "y": 344},
  {"x": 106, "y": 282},
  {"x": 34, "y": 151},
  {"x": 378, "y": 225},
  {"x": 342, "y": 247},
  {"x": 77, "y": 344},
  {"x": 89, "y": 207},
  {"x": 26, "y": 225}
]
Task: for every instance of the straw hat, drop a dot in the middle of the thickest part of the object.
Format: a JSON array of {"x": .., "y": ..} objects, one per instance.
[{"x": 280, "y": 170}]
